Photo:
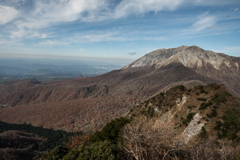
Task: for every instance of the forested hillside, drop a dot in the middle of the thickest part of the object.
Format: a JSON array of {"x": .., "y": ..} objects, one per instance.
[{"x": 200, "y": 122}]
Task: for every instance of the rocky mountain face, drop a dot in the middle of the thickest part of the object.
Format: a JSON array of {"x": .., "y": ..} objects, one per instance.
[
  {"x": 213, "y": 65},
  {"x": 192, "y": 57},
  {"x": 89, "y": 103}
]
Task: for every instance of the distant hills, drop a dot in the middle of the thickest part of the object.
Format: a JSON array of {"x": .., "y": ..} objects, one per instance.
[
  {"x": 88, "y": 103},
  {"x": 45, "y": 69}
]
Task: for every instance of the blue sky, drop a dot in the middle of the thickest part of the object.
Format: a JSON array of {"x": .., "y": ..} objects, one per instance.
[{"x": 116, "y": 29}]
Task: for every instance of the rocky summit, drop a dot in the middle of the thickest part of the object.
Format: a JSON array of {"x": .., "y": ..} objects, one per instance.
[
  {"x": 218, "y": 66},
  {"x": 193, "y": 57}
]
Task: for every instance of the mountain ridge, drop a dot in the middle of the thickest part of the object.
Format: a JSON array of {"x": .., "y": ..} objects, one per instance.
[
  {"x": 200, "y": 122},
  {"x": 90, "y": 102}
]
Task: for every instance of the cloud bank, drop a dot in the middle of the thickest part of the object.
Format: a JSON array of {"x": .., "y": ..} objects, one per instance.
[{"x": 27, "y": 19}]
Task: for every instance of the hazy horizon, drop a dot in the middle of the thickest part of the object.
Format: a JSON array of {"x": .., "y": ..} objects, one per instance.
[{"x": 52, "y": 68}]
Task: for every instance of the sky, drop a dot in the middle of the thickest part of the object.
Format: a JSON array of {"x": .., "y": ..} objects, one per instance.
[{"x": 116, "y": 29}]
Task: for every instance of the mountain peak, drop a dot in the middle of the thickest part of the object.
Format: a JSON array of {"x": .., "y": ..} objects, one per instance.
[
  {"x": 195, "y": 48},
  {"x": 189, "y": 56},
  {"x": 156, "y": 57},
  {"x": 204, "y": 62}
]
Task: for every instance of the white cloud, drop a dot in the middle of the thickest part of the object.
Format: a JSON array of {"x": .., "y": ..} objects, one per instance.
[
  {"x": 52, "y": 43},
  {"x": 66, "y": 11},
  {"x": 136, "y": 7},
  {"x": 19, "y": 33},
  {"x": 39, "y": 35},
  {"x": 204, "y": 21},
  {"x": 12, "y": 2},
  {"x": 5, "y": 42},
  {"x": 99, "y": 36},
  {"x": 108, "y": 36},
  {"x": 211, "y": 2},
  {"x": 127, "y": 7},
  {"x": 235, "y": 9},
  {"x": 2, "y": 41},
  {"x": 33, "y": 34},
  {"x": 114, "y": 36},
  {"x": 54, "y": 12},
  {"x": 49, "y": 13},
  {"x": 7, "y": 14},
  {"x": 233, "y": 49}
]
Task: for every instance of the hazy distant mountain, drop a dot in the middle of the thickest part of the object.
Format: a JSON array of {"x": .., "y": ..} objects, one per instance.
[
  {"x": 8, "y": 70},
  {"x": 88, "y": 103},
  {"x": 44, "y": 69}
]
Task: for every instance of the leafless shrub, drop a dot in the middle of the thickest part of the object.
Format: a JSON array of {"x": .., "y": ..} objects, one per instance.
[
  {"x": 144, "y": 140},
  {"x": 209, "y": 150}
]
